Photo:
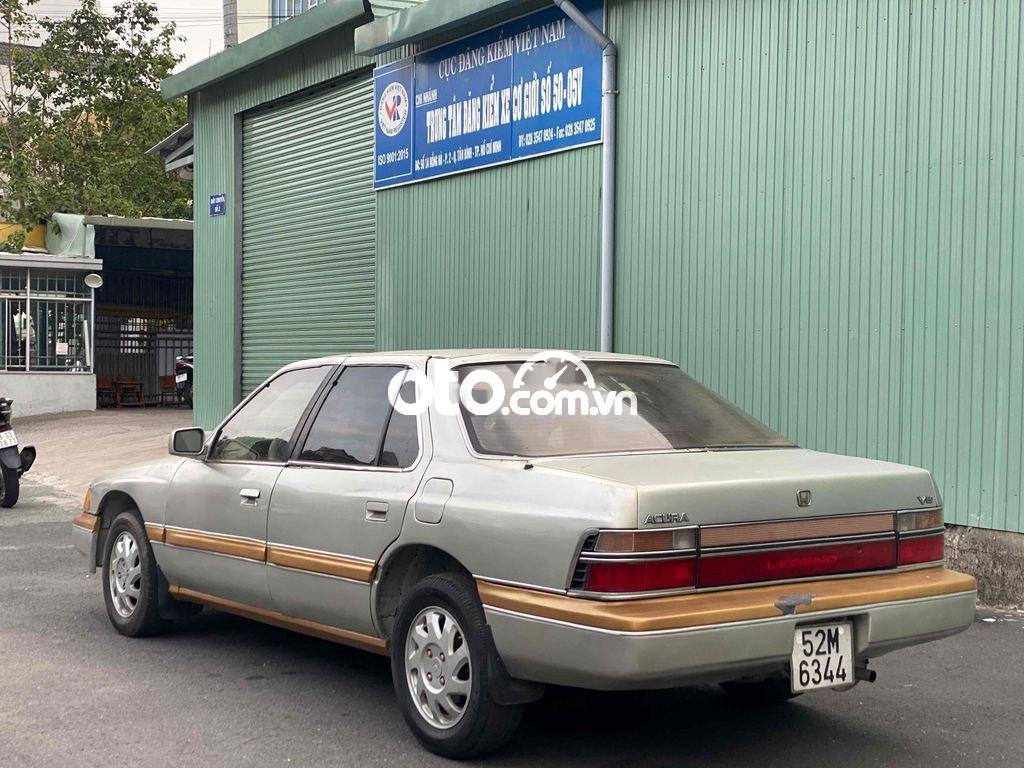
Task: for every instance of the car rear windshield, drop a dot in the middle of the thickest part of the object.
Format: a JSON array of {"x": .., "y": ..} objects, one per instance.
[{"x": 673, "y": 412}]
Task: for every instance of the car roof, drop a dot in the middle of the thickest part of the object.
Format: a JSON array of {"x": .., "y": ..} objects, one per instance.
[{"x": 478, "y": 356}]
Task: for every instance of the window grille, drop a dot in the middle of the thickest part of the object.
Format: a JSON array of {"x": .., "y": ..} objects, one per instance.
[{"x": 45, "y": 321}]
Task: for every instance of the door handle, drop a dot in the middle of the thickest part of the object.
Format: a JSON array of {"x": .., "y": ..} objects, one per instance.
[
  {"x": 249, "y": 496},
  {"x": 376, "y": 511}
]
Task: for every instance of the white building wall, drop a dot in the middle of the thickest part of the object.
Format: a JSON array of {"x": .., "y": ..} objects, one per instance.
[
  {"x": 39, "y": 393},
  {"x": 253, "y": 18}
]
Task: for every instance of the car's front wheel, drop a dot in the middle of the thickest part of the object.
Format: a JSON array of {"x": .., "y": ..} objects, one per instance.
[
  {"x": 440, "y": 664},
  {"x": 130, "y": 579}
]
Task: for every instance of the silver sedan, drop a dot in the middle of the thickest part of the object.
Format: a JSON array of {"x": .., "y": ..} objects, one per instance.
[{"x": 500, "y": 520}]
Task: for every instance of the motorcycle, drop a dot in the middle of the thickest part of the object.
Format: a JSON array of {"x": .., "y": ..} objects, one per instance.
[
  {"x": 183, "y": 371},
  {"x": 13, "y": 463}
]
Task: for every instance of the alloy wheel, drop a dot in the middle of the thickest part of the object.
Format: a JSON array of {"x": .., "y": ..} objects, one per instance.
[
  {"x": 125, "y": 574},
  {"x": 437, "y": 667}
]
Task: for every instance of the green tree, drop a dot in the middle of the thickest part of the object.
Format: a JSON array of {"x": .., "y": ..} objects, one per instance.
[
  {"x": 87, "y": 106},
  {"x": 18, "y": 27}
]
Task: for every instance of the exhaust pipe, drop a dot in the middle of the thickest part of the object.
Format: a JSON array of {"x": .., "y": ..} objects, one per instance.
[{"x": 865, "y": 674}]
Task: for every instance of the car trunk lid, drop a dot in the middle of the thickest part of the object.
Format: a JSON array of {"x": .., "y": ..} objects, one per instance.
[{"x": 741, "y": 486}]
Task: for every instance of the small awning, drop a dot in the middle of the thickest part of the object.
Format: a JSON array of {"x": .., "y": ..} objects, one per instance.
[
  {"x": 178, "y": 151},
  {"x": 43, "y": 260},
  {"x": 146, "y": 222}
]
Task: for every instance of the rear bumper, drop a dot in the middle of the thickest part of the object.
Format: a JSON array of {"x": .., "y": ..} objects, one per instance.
[{"x": 629, "y": 646}]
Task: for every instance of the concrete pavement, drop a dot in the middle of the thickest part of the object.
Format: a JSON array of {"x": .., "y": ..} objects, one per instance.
[
  {"x": 75, "y": 447},
  {"x": 223, "y": 691}
]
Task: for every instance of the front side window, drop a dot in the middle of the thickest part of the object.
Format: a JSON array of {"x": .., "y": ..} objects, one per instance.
[
  {"x": 674, "y": 412},
  {"x": 357, "y": 425},
  {"x": 262, "y": 429}
]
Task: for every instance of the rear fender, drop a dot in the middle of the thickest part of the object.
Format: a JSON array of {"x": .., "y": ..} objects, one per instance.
[
  {"x": 10, "y": 457},
  {"x": 27, "y": 458}
]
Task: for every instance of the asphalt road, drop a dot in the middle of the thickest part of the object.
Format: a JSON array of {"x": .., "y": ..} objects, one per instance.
[{"x": 222, "y": 691}]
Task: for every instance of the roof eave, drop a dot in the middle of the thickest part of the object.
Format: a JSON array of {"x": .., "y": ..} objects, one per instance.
[
  {"x": 420, "y": 22},
  {"x": 144, "y": 222},
  {"x": 264, "y": 46},
  {"x": 175, "y": 139}
]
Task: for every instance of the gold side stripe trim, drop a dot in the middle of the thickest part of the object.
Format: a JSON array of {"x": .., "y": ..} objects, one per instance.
[
  {"x": 312, "y": 628},
  {"x": 221, "y": 545},
  {"x": 319, "y": 562},
  {"x": 274, "y": 554},
  {"x": 89, "y": 522},
  {"x": 728, "y": 606}
]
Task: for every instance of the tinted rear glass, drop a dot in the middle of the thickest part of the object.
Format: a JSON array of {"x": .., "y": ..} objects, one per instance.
[{"x": 673, "y": 412}]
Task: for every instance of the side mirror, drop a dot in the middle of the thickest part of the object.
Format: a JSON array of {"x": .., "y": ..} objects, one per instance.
[{"x": 187, "y": 442}]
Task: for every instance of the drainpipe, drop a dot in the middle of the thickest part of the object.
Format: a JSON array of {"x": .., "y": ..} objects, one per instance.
[{"x": 609, "y": 93}]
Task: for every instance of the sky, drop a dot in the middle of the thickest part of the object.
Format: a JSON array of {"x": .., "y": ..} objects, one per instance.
[{"x": 200, "y": 22}]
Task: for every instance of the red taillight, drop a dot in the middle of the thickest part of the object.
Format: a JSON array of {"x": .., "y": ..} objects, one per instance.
[
  {"x": 642, "y": 576},
  {"x": 922, "y": 549},
  {"x": 797, "y": 563},
  {"x": 735, "y": 554}
]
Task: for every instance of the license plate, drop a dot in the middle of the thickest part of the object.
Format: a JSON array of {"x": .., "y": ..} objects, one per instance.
[
  {"x": 822, "y": 656},
  {"x": 8, "y": 439},
  {"x": 181, "y": 378}
]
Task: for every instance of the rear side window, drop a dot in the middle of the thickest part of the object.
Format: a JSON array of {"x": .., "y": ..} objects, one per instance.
[
  {"x": 262, "y": 429},
  {"x": 356, "y": 425},
  {"x": 402, "y": 441}
]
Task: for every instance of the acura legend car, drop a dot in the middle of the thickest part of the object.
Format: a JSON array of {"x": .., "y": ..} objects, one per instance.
[{"x": 494, "y": 521}]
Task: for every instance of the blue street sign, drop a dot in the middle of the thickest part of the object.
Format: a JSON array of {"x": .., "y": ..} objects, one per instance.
[{"x": 218, "y": 204}]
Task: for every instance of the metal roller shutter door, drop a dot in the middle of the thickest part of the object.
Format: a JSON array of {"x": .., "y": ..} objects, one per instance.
[{"x": 308, "y": 230}]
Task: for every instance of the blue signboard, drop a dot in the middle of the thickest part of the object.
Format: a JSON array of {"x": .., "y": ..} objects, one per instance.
[
  {"x": 218, "y": 204},
  {"x": 529, "y": 87}
]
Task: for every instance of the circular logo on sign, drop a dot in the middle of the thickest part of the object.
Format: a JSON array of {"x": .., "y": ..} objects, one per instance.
[{"x": 393, "y": 110}]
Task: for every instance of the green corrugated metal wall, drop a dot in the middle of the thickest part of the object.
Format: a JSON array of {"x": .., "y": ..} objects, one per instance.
[
  {"x": 216, "y": 116},
  {"x": 838, "y": 239},
  {"x": 499, "y": 258},
  {"x": 821, "y": 215},
  {"x": 308, "y": 245}
]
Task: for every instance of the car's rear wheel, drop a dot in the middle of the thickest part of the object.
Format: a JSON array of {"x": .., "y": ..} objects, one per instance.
[
  {"x": 771, "y": 690},
  {"x": 130, "y": 578},
  {"x": 440, "y": 664}
]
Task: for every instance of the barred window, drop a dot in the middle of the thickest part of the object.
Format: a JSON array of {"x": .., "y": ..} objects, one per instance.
[
  {"x": 52, "y": 283},
  {"x": 282, "y": 10},
  {"x": 45, "y": 320}
]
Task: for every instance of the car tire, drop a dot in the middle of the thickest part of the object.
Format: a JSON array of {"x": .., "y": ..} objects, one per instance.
[
  {"x": 441, "y": 633},
  {"x": 771, "y": 690},
  {"x": 130, "y": 579},
  {"x": 11, "y": 487}
]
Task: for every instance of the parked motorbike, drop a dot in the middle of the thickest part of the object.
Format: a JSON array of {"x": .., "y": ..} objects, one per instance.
[
  {"x": 13, "y": 463},
  {"x": 183, "y": 370}
]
